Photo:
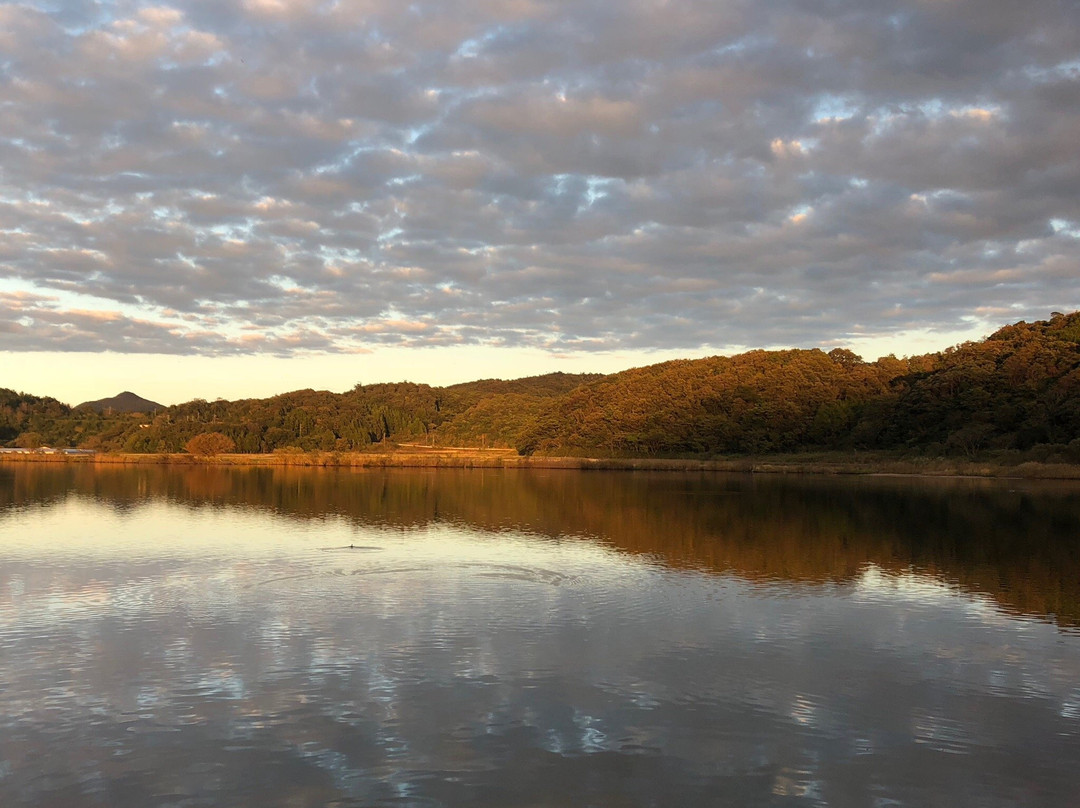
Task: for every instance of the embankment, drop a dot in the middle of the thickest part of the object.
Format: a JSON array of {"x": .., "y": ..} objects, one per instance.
[{"x": 822, "y": 463}]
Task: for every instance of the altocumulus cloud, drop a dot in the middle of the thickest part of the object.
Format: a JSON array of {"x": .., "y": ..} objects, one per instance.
[{"x": 244, "y": 176}]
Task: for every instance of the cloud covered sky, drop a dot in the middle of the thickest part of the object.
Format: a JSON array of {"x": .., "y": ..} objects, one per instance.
[{"x": 281, "y": 177}]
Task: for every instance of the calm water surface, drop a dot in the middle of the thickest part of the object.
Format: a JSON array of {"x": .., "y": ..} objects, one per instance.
[{"x": 216, "y": 637}]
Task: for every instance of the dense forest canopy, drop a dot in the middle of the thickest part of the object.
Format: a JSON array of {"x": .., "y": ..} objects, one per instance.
[{"x": 1017, "y": 391}]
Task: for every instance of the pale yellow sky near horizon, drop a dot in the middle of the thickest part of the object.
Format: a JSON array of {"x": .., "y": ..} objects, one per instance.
[{"x": 172, "y": 379}]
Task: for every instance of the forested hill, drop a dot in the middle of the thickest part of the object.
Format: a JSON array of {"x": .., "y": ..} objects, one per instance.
[
  {"x": 124, "y": 402},
  {"x": 1016, "y": 392},
  {"x": 488, "y": 412},
  {"x": 1017, "y": 389}
]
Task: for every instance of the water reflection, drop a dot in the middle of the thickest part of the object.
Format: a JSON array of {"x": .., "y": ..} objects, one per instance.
[
  {"x": 217, "y": 637},
  {"x": 1012, "y": 540}
]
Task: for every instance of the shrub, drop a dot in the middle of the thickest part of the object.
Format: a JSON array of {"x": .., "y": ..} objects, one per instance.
[{"x": 209, "y": 444}]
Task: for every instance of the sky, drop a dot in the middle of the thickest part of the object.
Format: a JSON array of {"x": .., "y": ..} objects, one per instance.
[{"x": 241, "y": 197}]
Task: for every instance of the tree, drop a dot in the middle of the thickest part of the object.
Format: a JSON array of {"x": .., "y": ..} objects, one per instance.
[
  {"x": 28, "y": 440},
  {"x": 842, "y": 356},
  {"x": 209, "y": 444},
  {"x": 970, "y": 439}
]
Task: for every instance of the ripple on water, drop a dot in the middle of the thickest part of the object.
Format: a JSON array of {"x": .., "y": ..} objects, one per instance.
[{"x": 456, "y": 666}]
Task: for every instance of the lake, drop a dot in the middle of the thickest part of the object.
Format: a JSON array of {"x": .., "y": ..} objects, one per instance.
[{"x": 287, "y": 637}]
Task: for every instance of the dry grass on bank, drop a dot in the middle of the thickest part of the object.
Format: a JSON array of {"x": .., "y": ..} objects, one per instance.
[{"x": 443, "y": 457}]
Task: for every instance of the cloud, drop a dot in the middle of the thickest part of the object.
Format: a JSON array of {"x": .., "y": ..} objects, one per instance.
[{"x": 284, "y": 175}]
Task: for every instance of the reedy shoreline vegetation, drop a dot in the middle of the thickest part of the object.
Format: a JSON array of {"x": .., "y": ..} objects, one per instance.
[
  {"x": 997, "y": 404},
  {"x": 836, "y": 463}
]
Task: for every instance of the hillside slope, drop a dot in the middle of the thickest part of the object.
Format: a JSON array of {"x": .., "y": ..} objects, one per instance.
[
  {"x": 123, "y": 402},
  {"x": 1017, "y": 391}
]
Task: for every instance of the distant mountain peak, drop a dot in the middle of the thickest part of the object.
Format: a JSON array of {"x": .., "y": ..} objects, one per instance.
[{"x": 123, "y": 402}]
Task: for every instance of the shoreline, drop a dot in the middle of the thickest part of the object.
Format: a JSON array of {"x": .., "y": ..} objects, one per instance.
[{"x": 868, "y": 464}]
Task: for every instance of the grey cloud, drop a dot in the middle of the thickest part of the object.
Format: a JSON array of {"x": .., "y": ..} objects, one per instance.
[
  {"x": 43, "y": 323},
  {"x": 287, "y": 175}
]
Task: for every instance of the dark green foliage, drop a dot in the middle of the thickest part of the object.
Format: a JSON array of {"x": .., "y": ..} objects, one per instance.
[
  {"x": 1016, "y": 391},
  {"x": 497, "y": 420},
  {"x": 124, "y": 402},
  {"x": 761, "y": 401},
  {"x": 1018, "y": 388},
  {"x": 21, "y": 413},
  {"x": 490, "y": 412}
]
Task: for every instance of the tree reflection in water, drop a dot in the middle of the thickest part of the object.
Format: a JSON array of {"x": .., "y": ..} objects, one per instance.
[
  {"x": 1010, "y": 539},
  {"x": 249, "y": 637}
]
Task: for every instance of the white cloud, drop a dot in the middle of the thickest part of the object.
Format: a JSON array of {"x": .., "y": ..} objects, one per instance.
[{"x": 291, "y": 175}]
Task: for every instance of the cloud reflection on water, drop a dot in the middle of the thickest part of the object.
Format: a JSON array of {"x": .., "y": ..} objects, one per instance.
[{"x": 165, "y": 653}]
